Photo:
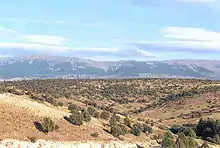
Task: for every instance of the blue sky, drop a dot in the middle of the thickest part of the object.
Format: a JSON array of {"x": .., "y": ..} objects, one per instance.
[{"x": 111, "y": 29}]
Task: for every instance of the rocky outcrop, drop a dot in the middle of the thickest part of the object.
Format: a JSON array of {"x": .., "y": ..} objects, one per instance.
[{"x": 10, "y": 143}]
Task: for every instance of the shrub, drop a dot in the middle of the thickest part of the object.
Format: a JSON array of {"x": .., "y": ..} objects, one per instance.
[
  {"x": 113, "y": 121},
  {"x": 136, "y": 130},
  {"x": 169, "y": 135},
  {"x": 48, "y": 125},
  {"x": 105, "y": 115},
  {"x": 117, "y": 118},
  {"x": 168, "y": 142},
  {"x": 147, "y": 129},
  {"x": 91, "y": 110},
  {"x": 60, "y": 103},
  {"x": 76, "y": 118},
  {"x": 50, "y": 99},
  {"x": 184, "y": 141},
  {"x": 127, "y": 121},
  {"x": 86, "y": 116},
  {"x": 37, "y": 97},
  {"x": 15, "y": 91},
  {"x": 73, "y": 107},
  {"x": 192, "y": 143},
  {"x": 123, "y": 129},
  {"x": 208, "y": 129},
  {"x": 94, "y": 134},
  {"x": 97, "y": 115},
  {"x": 188, "y": 132},
  {"x": 116, "y": 131},
  {"x": 140, "y": 126}
]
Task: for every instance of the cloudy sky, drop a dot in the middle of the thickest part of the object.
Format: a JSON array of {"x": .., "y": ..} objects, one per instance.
[{"x": 111, "y": 29}]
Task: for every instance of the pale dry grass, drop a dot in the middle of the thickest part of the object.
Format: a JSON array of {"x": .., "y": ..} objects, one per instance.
[
  {"x": 18, "y": 114},
  {"x": 33, "y": 107}
]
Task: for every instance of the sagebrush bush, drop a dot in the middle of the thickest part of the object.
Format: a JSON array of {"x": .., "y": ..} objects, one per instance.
[
  {"x": 91, "y": 110},
  {"x": 60, "y": 103},
  {"x": 76, "y": 118},
  {"x": 105, "y": 115},
  {"x": 168, "y": 142},
  {"x": 116, "y": 131},
  {"x": 73, "y": 107},
  {"x": 136, "y": 130},
  {"x": 188, "y": 132},
  {"x": 94, "y": 134},
  {"x": 48, "y": 125},
  {"x": 127, "y": 121},
  {"x": 113, "y": 121},
  {"x": 37, "y": 97},
  {"x": 123, "y": 129},
  {"x": 86, "y": 116},
  {"x": 147, "y": 129},
  {"x": 96, "y": 115},
  {"x": 184, "y": 141}
]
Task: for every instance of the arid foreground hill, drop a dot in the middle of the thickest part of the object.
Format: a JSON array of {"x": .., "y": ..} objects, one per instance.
[{"x": 110, "y": 113}]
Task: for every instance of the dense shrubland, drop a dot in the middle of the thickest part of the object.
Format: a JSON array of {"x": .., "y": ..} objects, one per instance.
[{"x": 149, "y": 92}]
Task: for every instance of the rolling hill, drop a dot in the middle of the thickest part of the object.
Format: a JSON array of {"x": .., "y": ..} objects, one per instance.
[{"x": 152, "y": 106}]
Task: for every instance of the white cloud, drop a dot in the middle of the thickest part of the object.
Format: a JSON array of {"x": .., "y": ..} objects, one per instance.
[
  {"x": 45, "y": 39},
  {"x": 188, "y": 33},
  {"x": 197, "y": 39},
  {"x": 95, "y": 49},
  {"x": 42, "y": 42},
  {"x": 145, "y": 53},
  {"x": 186, "y": 39},
  {"x": 6, "y": 30},
  {"x": 185, "y": 45},
  {"x": 33, "y": 46},
  {"x": 52, "y": 48}
]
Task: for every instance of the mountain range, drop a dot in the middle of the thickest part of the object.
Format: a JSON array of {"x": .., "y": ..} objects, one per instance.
[{"x": 74, "y": 67}]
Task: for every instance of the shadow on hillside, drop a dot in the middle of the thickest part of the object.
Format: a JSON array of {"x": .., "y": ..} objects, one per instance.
[
  {"x": 38, "y": 126},
  {"x": 67, "y": 119},
  {"x": 107, "y": 131}
]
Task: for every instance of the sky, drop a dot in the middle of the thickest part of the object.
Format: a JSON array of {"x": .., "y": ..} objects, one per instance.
[{"x": 110, "y": 30}]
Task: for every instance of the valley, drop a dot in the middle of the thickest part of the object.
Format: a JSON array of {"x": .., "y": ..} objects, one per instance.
[{"x": 157, "y": 104}]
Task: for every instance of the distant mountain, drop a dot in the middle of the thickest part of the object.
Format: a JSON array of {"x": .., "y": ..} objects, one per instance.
[{"x": 73, "y": 67}]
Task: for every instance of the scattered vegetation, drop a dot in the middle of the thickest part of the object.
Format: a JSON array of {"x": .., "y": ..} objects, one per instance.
[
  {"x": 105, "y": 115},
  {"x": 136, "y": 129},
  {"x": 48, "y": 125},
  {"x": 74, "y": 107},
  {"x": 86, "y": 116},
  {"x": 95, "y": 134},
  {"x": 116, "y": 130},
  {"x": 76, "y": 118},
  {"x": 60, "y": 103},
  {"x": 107, "y": 99},
  {"x": 127, "y": 121},
  {"x": 97, "y": 115},
  {"x": 91, "y": 110}
]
